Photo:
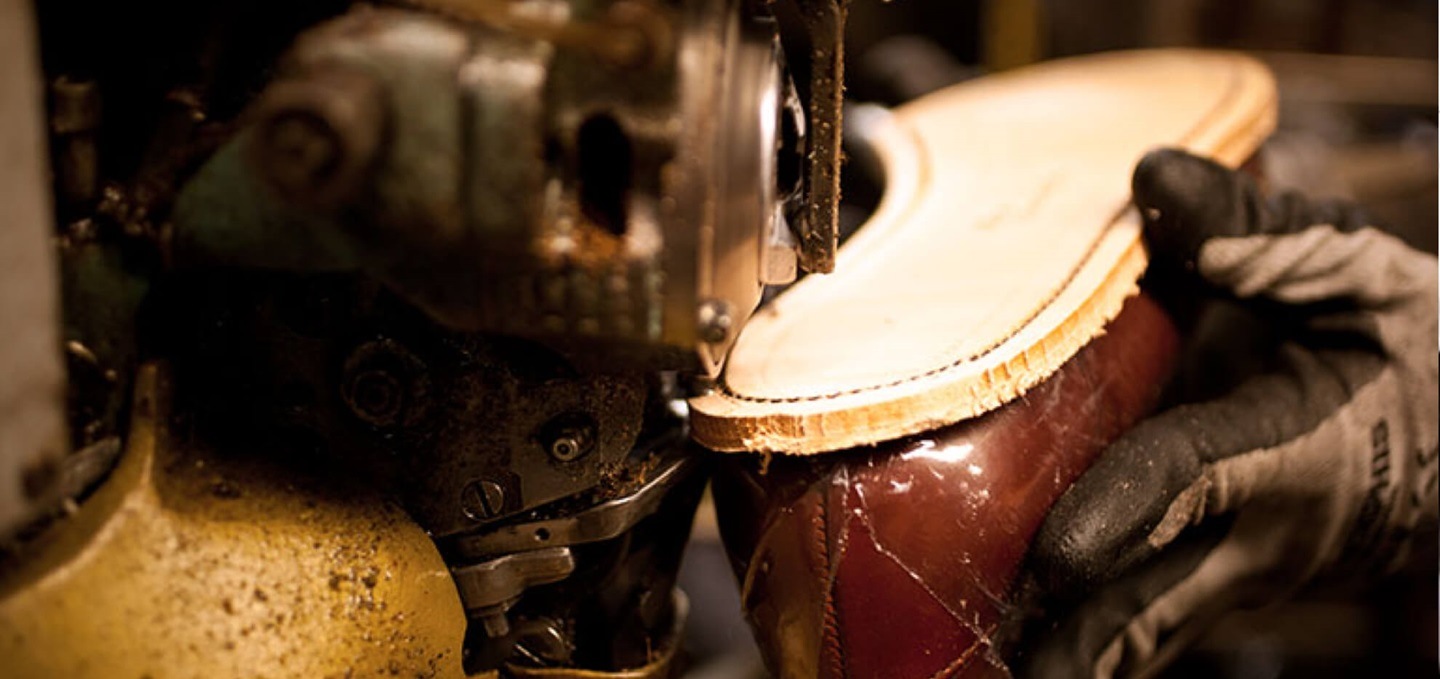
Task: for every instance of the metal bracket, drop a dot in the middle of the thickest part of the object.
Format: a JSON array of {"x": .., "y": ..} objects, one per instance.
[
  {"x": 601, "y": 522},
  {"x": 489, "y": 589}
]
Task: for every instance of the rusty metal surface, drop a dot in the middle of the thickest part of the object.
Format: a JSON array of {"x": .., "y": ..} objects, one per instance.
[
  {"x": 463, "y": 429},
  {"x": 517, "y": 185},
  {"x": 476, "y": 436},
  {"x": 475, "y": 203},
  {"x": 189, "y": 562},
  {"x": 822, "y": 36}
]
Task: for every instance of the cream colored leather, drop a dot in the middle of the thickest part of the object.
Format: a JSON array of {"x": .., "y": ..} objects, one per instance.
[{"x": 1004, "y": 243}]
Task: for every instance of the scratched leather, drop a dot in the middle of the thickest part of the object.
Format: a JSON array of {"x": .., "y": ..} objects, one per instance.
[{"x": 899, "y": 560}]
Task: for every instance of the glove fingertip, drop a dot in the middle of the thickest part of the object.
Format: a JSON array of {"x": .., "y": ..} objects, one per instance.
[
  {"x": 1060, "y": 563},
  {"x": 1184, "y": 200},
  {"x": 1099, "y": 527},
  {"x": 1075, "y": 552},
  {"x": 1174, "y": 179}
]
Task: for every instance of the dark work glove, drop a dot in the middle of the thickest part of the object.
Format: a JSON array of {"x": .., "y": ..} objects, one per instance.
[{"x": 1322, "y": 465}]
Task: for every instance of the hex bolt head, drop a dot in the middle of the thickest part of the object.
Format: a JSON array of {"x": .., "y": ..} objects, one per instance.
[
  {"x": 482, "y": 499},
  {"x": 384, "y": 385}
]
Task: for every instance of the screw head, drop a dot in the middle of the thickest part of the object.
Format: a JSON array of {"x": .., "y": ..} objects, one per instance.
[{"x": 482, "y": 499}]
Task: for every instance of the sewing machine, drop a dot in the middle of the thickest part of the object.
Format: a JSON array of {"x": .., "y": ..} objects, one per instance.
[{"x": 380, "y": 322}]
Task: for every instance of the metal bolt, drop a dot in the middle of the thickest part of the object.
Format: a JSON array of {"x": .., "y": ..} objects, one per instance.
[
  {"x": 565, "y": 448},
  {"x": 301, "y": 151},
  {"x": 569, "y": 437},
  {"x": 482, "y": 499},
  {"x": 714, "y": 321},
  {"x": 317, "y": 134},
  {"x": 384, "y": 384},
  {"x": 375, "y": 396}
]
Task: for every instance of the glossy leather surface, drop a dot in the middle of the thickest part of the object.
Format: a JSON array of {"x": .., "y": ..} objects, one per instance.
[{"x": 899, "y": 560}]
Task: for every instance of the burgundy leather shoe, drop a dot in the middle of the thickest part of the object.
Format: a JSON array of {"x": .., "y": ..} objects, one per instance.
[{"x": 900, "y": 560}]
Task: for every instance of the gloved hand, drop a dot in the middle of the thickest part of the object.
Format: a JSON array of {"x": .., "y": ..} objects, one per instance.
[{"x": 1324, "y": 464}]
